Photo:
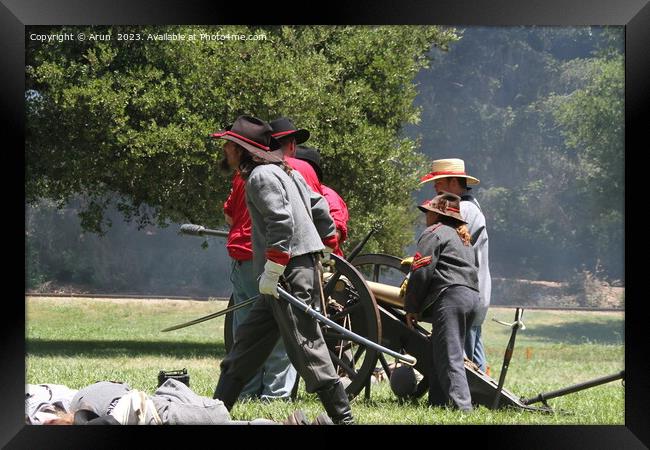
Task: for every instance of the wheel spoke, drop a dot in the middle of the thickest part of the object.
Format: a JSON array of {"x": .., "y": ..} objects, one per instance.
[
  {"x": 384, "y": 364},
  {"x": 375, "y": 273},
  {"x": 339, "y": 362},
  {"x": 360, "y": 350},
  {"x": 345, "y": 311},
  {"x": 356, "y": 311}
]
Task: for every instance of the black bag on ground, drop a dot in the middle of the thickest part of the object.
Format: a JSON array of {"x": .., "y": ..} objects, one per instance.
[{"x": 180, "y": 375}]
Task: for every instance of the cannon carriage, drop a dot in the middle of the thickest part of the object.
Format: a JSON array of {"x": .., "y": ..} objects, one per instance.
[{"x": 362, "y": 298}]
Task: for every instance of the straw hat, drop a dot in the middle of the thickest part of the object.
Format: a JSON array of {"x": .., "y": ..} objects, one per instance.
[
  {"x": 445, "y": 168},
  {"x": 446, "y": 204}
]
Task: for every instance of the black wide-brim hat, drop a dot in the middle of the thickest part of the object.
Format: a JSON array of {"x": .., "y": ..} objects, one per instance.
[
  {"x": 312, "y": 156},
  {"x": 284, "y": 127},
  {"x": 255, "y": 135}
]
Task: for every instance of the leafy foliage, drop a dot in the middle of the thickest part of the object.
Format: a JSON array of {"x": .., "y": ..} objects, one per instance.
[
  {"x": 131, "y": 118},
  {"x": 537, "y": 115}
]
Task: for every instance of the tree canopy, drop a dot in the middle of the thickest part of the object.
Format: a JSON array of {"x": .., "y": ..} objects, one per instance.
[
  {"x": 120, "y": 129},
  {"x": 127, "y": 121},
  {"x": 537, "y": 114}
]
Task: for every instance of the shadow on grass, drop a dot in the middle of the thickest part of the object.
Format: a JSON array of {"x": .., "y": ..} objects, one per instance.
[
  {"x": 611, "y": 332},
  {"x": 111, "y": 349}
]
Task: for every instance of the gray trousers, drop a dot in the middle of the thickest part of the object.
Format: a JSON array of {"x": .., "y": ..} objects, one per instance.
[
  {"x": 270, "y": 318},
  {"x": 452, "y": 316},
  {"x": 177, "y": 404}
]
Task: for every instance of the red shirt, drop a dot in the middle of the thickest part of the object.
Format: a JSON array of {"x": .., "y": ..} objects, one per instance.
[
  {"x": 307, "y": 171},
  {"x": 339, "y": 212},
  {"x": 239, "y": 243}
]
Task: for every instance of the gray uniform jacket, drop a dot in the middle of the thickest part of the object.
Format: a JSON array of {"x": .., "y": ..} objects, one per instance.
[
  {"x": 441, "y": 260},
  {"x": 175, "y": 403},
  {"x": 471, "y": 212},
  {"x": 281, "y": 223}
]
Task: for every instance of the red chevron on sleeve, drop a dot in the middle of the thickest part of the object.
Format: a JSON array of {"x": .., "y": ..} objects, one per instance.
[
  {"x": 330, "y": 241},
  {"x": 420, "y": 261}
]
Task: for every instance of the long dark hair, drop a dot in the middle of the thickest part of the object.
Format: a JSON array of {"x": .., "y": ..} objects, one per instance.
[{"x": 248, "y": 164}]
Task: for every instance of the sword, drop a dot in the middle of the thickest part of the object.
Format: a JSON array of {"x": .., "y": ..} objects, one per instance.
[
  {"x": 408, "y": 359},
  {"x": 213, "y": 315}
]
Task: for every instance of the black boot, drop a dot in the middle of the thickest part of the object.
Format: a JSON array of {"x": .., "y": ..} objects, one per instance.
[
  {"x": 228, "y": 390},
  {"x": 336, "y": 404}
]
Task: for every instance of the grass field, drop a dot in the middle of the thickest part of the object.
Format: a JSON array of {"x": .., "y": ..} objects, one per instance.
[{"x": 77, "y": 341}]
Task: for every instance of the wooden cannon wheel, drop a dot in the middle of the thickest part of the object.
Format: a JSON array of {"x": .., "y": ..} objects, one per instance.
[
  {"x": 352, "y": 305},
  {"x": 389, "y": 270},
  {"x": 381, "y": 268}
]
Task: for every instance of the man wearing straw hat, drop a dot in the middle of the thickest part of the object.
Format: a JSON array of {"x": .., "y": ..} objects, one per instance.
[{"x": 449, "y": 175}]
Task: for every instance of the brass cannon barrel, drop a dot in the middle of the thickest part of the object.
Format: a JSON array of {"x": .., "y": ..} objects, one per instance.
[{"x": 386, "y": 294}]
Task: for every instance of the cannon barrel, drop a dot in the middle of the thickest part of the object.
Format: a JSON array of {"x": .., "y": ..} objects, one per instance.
[{"x": 386, "y": 293}]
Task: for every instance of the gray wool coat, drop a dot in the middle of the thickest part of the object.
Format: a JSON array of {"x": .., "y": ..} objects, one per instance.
[{"x": 278, "y": 205}]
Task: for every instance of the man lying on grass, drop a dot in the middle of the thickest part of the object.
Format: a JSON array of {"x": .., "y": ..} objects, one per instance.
[{"x": 114, "y": 403}]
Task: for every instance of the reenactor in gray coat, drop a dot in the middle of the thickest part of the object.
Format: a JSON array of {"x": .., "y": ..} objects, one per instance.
[
  {"x": 291, "y": 226},
  {"x": 443, "y": 290},
  {"x": 449, "y": 175}
]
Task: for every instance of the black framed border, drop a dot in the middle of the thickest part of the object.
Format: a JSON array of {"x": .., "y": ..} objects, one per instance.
[{"x": 15, "y": 15}]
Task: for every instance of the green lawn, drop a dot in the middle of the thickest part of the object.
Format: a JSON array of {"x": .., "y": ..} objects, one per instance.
[{"x": 78, "y": 341}]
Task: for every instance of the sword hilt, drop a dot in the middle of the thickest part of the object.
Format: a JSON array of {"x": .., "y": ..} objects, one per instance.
[{"x": 200, "y": 230}]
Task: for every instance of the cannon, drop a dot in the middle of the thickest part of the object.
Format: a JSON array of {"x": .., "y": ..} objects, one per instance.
[
  {"x": 363, "y": 296},
  {"x": 375, "y": 310},
  {"x": 383, "y": 276}
]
